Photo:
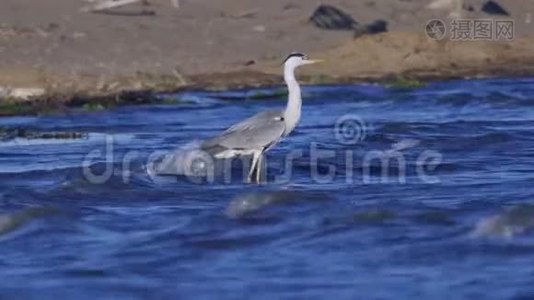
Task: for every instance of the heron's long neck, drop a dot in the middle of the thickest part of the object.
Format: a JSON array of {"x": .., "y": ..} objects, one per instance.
[{"x": 294, "y": 103}]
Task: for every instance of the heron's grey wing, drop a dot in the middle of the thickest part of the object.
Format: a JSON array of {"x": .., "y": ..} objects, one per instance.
[{"x": 256, "y": 132}]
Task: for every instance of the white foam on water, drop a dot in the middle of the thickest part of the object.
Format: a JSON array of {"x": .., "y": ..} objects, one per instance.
[
  {"x": 188, "y": 160},
  {"x": 510, "y": 223}
]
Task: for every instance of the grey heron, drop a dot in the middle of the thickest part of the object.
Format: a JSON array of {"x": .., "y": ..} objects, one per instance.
[{"x": 259, "y": 133}]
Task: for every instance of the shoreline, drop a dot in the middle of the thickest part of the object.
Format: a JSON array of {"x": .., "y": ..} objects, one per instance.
[
  {"x": 58, "y": 102},
  {"x": 54, "y": 56}
]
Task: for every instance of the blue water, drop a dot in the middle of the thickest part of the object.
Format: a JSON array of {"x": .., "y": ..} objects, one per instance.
[{"x": 456, "y": 225}]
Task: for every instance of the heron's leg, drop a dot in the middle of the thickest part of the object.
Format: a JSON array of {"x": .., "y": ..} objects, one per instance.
[
  {"x": 255, "y": 158},
  {"x": 258, "y": 168}
]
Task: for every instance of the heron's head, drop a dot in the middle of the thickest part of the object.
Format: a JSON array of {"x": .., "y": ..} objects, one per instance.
[{"x": 296, "y": 59}]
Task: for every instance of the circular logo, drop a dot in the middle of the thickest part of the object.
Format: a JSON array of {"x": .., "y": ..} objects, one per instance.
[
  {"x": 198, "y": 163},
  {"x": 350, "y": 129},
  {"x": 435, "y": 29}
]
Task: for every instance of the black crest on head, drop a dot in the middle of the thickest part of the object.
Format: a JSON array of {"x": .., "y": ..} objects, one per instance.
[{"x": 295, "y": 54}]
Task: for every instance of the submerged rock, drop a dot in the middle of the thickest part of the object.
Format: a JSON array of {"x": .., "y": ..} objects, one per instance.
[
  {"x": 374, "y": 216},
  {"x": 494, "y": 8},
  {"x": 10, "y": 222},
  {"x": 256, "y": 204},
  {"x": 7, "y": 134},
  {"x": 244, "y": 205},
  {"x": 515, "y": 221}
]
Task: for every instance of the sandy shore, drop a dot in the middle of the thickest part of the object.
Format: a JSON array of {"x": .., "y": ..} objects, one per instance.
[{"x": 68, "y": 54}]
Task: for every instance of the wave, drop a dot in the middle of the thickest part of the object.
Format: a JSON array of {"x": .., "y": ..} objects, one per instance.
[
  {"x": 12, "y": 221},
  {"x": 515, "y": 221}
]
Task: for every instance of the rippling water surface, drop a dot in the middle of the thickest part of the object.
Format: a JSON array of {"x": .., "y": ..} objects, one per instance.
[{"x": 455, "y": 227}]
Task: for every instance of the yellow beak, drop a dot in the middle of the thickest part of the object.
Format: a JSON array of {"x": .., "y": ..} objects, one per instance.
[{"x": 314, "y": 61}]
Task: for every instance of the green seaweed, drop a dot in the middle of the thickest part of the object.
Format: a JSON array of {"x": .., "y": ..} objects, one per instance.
[
  {"x": 9, "y": 108},
  {"x": 90, "y": 106},
  {"x": 377, "y": 215},
  {"x": 402, "y": 82},
  {"x": 168, "y": 100},
  {"x": 261, "y": 95},
  {"x": 10, "y": 222},
  {"x": 321, "y": 79}
]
